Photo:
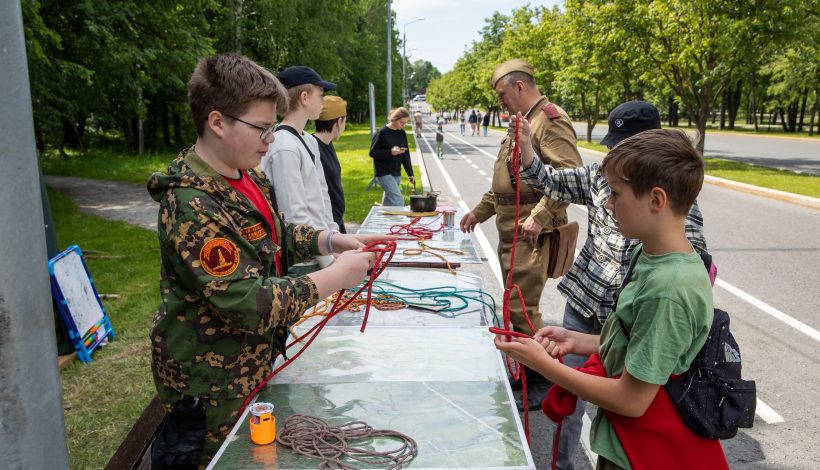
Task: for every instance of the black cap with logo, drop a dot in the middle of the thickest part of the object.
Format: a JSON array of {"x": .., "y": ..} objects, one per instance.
[
  {"x": 301, "y": 75},
  {"x": 631, "y": 118}
]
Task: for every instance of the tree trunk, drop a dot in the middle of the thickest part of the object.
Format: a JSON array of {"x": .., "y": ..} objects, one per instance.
[
  {"x": 782, "y": 119},
  {"x": 754, "y": 103},
  {"x": 814, "y": 111},
  {"x": 177, "y": 128},
  {"x": 166, "y": 126},
  {"x": 723, "y": 110},
  {"x": 803, "y": 110},
  {"x": 238, "y": 23},
  {"x": 734, "y": 104}
]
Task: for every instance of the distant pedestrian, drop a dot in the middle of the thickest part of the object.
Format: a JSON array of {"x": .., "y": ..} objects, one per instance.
[
  {"x": 390, "y": 152},
  {"x": 485, "y": 122},
  {"x": 417, "y": 123},
  {"x": 462, "y": 122},
  {"x": 440, "y": 140},
  {"x": 473, "y": 119}
]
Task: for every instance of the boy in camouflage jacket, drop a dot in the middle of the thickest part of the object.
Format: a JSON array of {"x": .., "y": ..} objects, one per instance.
[{"x": 224, "y": 247}]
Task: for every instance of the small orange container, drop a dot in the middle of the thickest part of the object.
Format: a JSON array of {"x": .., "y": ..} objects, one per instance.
[{"x": 263, "y": 423}]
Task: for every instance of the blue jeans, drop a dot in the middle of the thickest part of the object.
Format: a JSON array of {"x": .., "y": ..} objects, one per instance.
[
  {"x": 571, "y": 430},
  {"x": 392, "y": 190}
]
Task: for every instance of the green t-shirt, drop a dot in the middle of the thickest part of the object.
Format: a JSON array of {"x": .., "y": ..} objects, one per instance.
[{"x": 667, "y": 308}]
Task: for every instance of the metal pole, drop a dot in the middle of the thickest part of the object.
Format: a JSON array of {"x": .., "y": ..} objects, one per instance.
[
  {"x": 389, "y": 60},
  {"x": 32, "y": 429}
]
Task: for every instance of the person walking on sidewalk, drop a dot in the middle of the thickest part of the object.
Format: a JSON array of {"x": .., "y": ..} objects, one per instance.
[
  {"x": 390, "y": 153},
  {"x": 485, "y": 122},
  {"x": 417, "y": 123},
  {"x": 440, "y": 140},
  {"x": 554, "y": 140}
]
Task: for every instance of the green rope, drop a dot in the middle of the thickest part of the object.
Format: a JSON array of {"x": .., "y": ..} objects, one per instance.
[{"x": 440, "y": 300}]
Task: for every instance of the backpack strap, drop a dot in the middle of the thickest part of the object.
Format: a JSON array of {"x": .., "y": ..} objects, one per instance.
[
  {"x": 627, "y": 278},
  {"x": 286, "y": 127}
]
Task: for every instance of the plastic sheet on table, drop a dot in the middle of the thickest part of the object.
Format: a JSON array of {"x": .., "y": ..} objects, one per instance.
[
  {"x": 343, "y": 354},
  {"x": 455, "y": 424}
]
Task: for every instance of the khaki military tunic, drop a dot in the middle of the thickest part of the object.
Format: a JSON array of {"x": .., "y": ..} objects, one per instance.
[{"x": 554, "y": 141}]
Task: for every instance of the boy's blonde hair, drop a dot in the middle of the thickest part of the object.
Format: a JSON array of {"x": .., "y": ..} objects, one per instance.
[
  {"x": 663, "y": 158},
  {"x": 293, "y": 96},
  {"x": 230, "y": 83}
]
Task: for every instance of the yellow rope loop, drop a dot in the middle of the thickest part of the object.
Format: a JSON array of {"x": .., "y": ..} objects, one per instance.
[
  {"x": 425, "y": 248},
  {"x": 379, "y": 301}
]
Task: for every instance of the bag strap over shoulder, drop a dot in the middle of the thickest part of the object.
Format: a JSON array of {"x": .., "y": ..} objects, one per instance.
[{"x": 293, "y": 131}]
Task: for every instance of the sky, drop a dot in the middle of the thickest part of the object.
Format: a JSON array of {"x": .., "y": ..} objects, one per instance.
[{"x": 449, "y": 26}]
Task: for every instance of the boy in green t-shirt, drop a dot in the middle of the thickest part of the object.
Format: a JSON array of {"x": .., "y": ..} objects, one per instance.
[{"x": 655, "y": 177}]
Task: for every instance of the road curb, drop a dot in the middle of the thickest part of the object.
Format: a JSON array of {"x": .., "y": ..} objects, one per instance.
[{"x": 806, "y": 201}]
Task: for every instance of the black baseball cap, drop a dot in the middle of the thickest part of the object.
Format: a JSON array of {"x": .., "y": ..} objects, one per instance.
[
  {"x": 300, "y": 75},
  {"x": 630, "y": 118}
]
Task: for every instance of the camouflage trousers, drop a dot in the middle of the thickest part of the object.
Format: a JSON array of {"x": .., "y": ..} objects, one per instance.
[{"x": 220, "y": 416}]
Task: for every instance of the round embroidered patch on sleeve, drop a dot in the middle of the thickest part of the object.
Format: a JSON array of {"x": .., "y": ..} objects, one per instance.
[{"x": 219, "y": 257}]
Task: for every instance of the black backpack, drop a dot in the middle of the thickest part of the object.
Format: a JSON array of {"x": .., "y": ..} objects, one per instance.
[{"x": 712, "y": 398}]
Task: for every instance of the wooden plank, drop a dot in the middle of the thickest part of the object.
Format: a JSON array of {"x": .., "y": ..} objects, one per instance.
[{"x": 138, "y": 441}]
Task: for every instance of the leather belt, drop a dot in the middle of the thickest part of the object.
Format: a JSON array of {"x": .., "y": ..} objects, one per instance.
[{"x": 508, "y": 199}]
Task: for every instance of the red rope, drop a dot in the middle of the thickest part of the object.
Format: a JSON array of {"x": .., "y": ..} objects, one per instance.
[
  {"x": 415, "y": 230},
  {"x": 513, "y": 366},
  {"x": 382, "y": 249}
]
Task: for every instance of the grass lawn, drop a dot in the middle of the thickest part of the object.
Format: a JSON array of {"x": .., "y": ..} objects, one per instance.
[
  {"x": 772, "y": 178},
  {"x": 102, "y": 400},
  {"x": 352, "y": 149}
]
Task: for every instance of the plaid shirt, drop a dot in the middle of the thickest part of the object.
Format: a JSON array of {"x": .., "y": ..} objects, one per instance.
[{"x": 597, "y": 273}]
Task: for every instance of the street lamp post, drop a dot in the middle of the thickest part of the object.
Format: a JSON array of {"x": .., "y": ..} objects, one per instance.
[{"x": 404, "y": 58}]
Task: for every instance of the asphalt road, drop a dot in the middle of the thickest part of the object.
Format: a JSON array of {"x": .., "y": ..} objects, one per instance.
[
  {"x": 794, "y": 154},
  {"x": 767, "y": 253}
]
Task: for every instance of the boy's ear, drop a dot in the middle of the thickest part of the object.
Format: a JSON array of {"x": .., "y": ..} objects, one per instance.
[
  {"x": 658, "y": 199},
  {"x": 216, "y": 122}
]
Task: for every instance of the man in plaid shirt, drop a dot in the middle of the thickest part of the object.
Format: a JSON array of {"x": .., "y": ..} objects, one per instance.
[{"x": 596, "y": 275}]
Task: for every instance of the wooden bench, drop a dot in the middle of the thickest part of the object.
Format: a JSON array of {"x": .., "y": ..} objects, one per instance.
[{"x": 135, "y": 451}]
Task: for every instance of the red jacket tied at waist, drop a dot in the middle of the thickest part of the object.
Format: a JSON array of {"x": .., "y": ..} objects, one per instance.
[{"x": 658, "y": 439}]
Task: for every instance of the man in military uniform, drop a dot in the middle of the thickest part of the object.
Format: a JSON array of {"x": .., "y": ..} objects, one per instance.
[
  {"x": 554, "y": 141},
  {"x": 224, "y": 247}
]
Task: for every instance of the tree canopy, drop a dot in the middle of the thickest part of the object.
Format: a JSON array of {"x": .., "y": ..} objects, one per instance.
[
  {"x": 694, "y": 56},
  {"x": 120, "y": 67}
]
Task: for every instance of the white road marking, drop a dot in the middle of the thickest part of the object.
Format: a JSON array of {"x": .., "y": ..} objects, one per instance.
[
  {"x": 473, "y": 165},
  {"x": 482, "y": 172},
  {"x": 766, "y": 308},
  {"x": 766, "y": 413}
]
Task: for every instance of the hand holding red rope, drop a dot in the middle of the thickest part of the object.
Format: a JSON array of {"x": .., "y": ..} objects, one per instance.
[{"x": 384, "y": 253}]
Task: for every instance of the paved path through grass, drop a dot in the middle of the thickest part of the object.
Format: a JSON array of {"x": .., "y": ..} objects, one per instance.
[{"x": 112, "y": 200}]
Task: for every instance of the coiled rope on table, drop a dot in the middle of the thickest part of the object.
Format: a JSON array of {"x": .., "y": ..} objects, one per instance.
[{"x": 313, "y": 437}]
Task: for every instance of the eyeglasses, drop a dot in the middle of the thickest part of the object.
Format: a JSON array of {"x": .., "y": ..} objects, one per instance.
[{"x": 266, "y": 132}]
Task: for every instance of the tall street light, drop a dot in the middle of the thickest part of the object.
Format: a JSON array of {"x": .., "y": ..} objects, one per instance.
[{"x": 404, "y": 58}]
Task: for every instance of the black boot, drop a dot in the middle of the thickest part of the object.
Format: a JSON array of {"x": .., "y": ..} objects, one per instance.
[{"x": 537, "y": 386}]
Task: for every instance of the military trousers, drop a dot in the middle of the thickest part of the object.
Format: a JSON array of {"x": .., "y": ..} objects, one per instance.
[
  {"x": 530, "y": 273},
  {"x": 220, "y": 416}
]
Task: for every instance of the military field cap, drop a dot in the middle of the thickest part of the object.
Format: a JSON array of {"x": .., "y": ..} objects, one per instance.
[
  {"x": 301, "y": 75},
  {"x": 510, "y": 66},
  {"x": 333, "y": 107},
  {"x": 630, "y": 118}
]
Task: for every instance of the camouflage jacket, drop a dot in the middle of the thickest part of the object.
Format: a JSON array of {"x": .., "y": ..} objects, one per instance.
[{"x": 222, "y": 304}]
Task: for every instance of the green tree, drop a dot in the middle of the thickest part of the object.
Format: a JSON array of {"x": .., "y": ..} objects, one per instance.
[{"x": 419, "y": 75}]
